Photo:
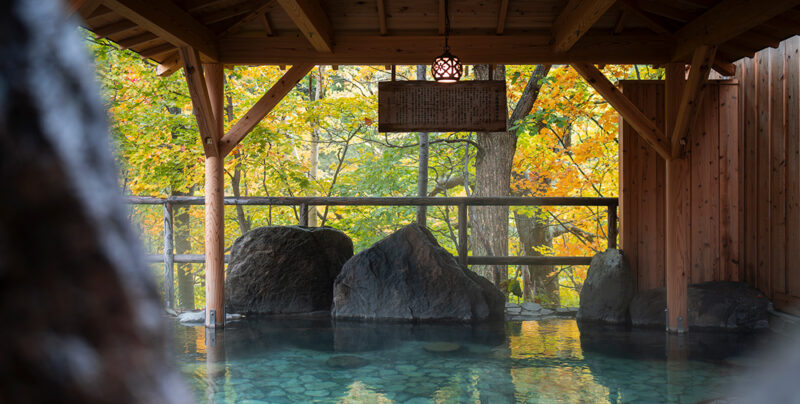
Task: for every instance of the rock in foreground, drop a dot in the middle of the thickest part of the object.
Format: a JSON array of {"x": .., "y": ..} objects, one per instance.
[
  {"x": 713, "y": 305},
  {"x": 285, "y": 269},
  {"x": 409, "y": 277},
  {"x": 608, "y": 289}
]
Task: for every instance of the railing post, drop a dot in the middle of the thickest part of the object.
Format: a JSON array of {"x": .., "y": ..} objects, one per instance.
[
  {"x": 304, "y": 214},
  {"x": 462, "y": 234},
  {"x": 169, "y": 259},
  {"x": 612, "y": 226}
]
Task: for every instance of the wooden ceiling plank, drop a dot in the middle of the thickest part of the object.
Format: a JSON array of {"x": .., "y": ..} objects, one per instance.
[
  {"x": 234, "y": 10},
  {"x": 441, "y": 17},
  {"x": 312, "y": 21},
  {"x": 135, "y": 40},
  {"x": 170, "y": 22},
  {"x": 262, "y": 107},
  {"x": 502, "y": 15},
  {"x": 201, "y": 103},
  {"x": 725, "y": 21},
  {"x": 85, "y": 8},
  {"x": 381, "y": 5},
  {"x": 575, "y": 20},
  {"x": 155, "y": 51},
  {"x": 114, "y": 28},
  {"x": 645, "y": 127},
  {"x": 692, "y": 97}
]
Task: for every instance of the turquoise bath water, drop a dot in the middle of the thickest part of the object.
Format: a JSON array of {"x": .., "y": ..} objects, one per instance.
[{"x": 547, "y": 361}]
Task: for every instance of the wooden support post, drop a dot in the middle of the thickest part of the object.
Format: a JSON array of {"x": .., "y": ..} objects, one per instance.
[
  {"x": 462, "y": 234},
  {"x": 169, "y": 259},
  {"x": 304, "y": 214},
  {"x": 678, "y": 220},
  {"x": 612, "y": 226},
  {"x": 214, "y": 204}
]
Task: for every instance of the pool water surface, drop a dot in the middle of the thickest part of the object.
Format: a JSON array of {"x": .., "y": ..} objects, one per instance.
[{"x": 547, "y": 361}]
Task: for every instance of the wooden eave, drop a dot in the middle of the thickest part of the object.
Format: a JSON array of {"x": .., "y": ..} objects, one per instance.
[{"x": 380, "y": 32}]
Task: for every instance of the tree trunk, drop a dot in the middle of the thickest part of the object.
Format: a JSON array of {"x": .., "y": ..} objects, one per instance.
[
  {"x": 493, "y": 177},
  {"x": 314, "y": 93},
  {"x": 183, "y": 245},
  {"x": 422, "y": 174},
  {"x": 535, "y": 232}
]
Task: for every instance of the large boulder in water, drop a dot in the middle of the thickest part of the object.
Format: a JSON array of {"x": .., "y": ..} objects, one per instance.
[
  {"x": 713, "y": 305},
  {"x": 608, "y": 289},
  {"x": 285, "y": 269},
  {"x": 409, "y": 277}
]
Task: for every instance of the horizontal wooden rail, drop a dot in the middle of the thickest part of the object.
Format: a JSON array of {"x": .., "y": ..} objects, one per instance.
[
  {"x": 526, "y": 260},
  {"x": 384, "y": 201},
  {"x": 181, "y": 258},
  {"x": 169, "y": 258}
]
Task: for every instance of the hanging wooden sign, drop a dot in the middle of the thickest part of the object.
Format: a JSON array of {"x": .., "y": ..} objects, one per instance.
[{"x": 428, "y": 106}]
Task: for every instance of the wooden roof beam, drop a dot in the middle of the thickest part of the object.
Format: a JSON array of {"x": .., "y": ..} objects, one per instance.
[
  {"x": 725, "y": 21},
  {"x": 633, "y": 46},
  {"x": 201, "y": 103},
  {"x": 170, "y": 22},
  {"x": 312, "y": 21},
  {"x": 262, "y": 107},
  {"x": 645, "y": 127},
  {"x": 578, "y": 16},
  {"x": 265, "y": 23},
  {"x": 692, "y": 96},
  {"x": 654, "y": 25}
]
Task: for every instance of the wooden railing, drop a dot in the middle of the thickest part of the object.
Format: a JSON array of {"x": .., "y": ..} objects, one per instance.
[{"x": 170, "y": 258}]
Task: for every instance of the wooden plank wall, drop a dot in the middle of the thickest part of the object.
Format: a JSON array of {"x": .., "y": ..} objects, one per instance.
[
  {"x": 715, "y": 188},
  {"x": 770, "y": 127}
]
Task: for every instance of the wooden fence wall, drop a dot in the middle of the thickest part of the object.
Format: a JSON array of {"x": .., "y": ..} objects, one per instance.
[
  {"x": 715, "y": 188},
  {"x": 770, "y": 126}
]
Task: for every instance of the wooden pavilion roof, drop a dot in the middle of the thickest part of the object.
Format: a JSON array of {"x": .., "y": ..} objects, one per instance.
[{"x": 410, "y": 31}]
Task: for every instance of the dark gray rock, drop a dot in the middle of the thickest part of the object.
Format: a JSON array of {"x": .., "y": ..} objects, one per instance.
[
  {"x": 285, "y": 269},
  {"x": 81, "y": 316},
  {"x": 712, "y": 305},
  {"x": 346, "y": 362},
  {"x": 608, "y": 289},
  {"x": 409, "y": 277}
]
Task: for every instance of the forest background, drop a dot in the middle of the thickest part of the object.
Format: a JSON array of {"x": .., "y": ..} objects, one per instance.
[{"x": 322, "y": 140}]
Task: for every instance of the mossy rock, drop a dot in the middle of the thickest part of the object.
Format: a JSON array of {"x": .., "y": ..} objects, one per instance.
[{"x": 441, "y": 347}]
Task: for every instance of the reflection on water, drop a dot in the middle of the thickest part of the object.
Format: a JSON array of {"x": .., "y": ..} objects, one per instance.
[{"x": 282, "y": 361}]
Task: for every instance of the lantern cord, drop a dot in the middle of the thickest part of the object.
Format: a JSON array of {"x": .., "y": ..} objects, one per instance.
[{"x": 446, "y": 25}]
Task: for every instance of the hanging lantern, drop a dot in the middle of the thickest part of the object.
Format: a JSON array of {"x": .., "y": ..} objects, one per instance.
[{"x": 447, "y": 68}]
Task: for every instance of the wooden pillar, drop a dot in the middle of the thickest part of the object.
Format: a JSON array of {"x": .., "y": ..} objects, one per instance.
[
  {"x": 214, "y": 207},
  {"x": 678, "y": 220}
]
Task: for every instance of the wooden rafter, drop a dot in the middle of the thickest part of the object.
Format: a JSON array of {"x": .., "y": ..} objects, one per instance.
[
  {"x": 201, "y": 103},
  {"x": 578, "y": 16},
  {"x": 692, "y": 95},
  {"x": 502, "y": 15},
  {"x": 645, "y": 127},
  {"x": 725, "y": 21},
  {"x": 381, "y": 5},
  {"x": 83, "y": 8},
  {"x": 170, "y": 22},
  {"x": 114, "y": 28},
  {"x": 262, "y": 107},
  {"x": 256, "y": 13},
  {"x": 265, "y": 23},
  {"x": 135, "y": 40},
  {"x": 620, "y": 24},
  {"x": 654, "y": 25},
  {"x": 312, "y": 21},
  {"x": 632, "y": 46},
  {"x": 169, "y": 65}
]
